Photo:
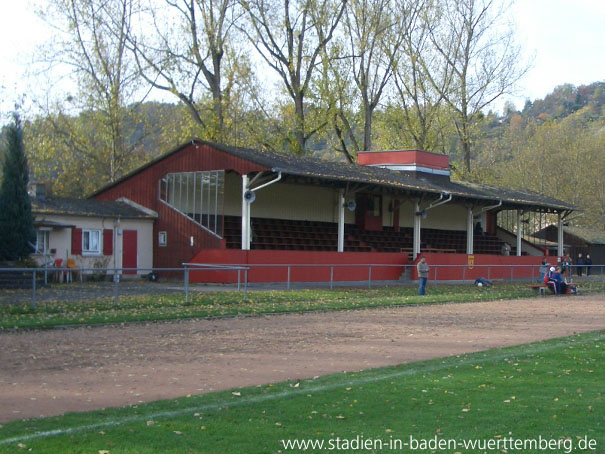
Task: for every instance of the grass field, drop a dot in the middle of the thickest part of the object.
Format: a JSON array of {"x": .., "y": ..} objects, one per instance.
[
  {"x": 547, "y": 395},
  {"x": 170, "y": 307}
]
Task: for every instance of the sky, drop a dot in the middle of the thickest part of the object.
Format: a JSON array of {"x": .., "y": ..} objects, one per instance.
[{"x": 564, "y": 41}]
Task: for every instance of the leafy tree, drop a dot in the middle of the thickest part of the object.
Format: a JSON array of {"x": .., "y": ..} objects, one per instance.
[
  {"x": 479, "y": 59},
  {"x": 196, "y": 60},
  {"x": 17, "y": 234},
  {"x": 91, "y": 43},
  {"x": 358, "y": 79},
  {"x": 291, "y": 37}
]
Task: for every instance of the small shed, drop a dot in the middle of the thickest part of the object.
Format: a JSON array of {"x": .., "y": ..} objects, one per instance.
[
  {"x": 578, "y": 240},
  {"x": 92, "y": 233}
]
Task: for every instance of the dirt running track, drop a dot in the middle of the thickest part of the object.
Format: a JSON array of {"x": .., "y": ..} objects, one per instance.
[{"x": 45, "y": 373}]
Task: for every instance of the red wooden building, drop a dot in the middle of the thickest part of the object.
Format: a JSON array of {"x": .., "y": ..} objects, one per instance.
[{"x": 219, "y": 204}]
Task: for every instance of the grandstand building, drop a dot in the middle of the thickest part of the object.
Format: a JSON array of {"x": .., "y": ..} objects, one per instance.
[{"x": 227, "y": 205}]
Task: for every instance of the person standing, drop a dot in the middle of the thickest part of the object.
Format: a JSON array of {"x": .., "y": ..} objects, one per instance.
[
  {"x": 588, "y": 263},
  {"x": 506, "y": 249},
  {"x": 543, "y": 270},
  {"x": 580, "y": 265},
  {"x": 423, "y": 275}
]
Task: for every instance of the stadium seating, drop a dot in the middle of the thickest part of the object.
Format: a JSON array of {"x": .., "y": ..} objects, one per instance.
[{"x": 287, "y": 234}]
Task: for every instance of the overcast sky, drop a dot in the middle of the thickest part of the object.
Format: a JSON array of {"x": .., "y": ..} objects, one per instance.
[{"x": 564, "y": 40}]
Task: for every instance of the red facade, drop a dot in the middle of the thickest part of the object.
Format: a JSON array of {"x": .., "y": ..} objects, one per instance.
[{"x": 143, "y": 185}]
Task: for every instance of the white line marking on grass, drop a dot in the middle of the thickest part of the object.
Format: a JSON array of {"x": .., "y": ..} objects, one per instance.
[{"x": 409, "y": 371}]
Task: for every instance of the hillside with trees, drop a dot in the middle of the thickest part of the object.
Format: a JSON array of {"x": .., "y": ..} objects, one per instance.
[
  {"x": 554, "y": 146},
  {"x": 323, "y": 77}
]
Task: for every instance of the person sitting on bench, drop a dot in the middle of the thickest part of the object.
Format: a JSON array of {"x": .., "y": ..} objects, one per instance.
[
  {"x": 560, "y": 282},
  {"x": 550, "y": 281}
]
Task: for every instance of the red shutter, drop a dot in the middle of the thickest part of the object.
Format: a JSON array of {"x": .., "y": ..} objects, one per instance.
[
  {"x": 76, "y": 241},
  {"x": 107, "y": 242}
]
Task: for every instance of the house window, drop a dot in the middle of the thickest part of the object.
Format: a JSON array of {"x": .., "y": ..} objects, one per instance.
[
  {"x": 91, "y": 242},
  {"x": 162, "y": 238},
  {"x": 197, "y": 195},
  {"x": 42, "y": 237}
]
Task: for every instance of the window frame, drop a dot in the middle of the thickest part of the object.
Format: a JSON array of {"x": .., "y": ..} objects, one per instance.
[
  {"x": 46, "y": 240},
  {"x": 88, "y": 250},
  {"x": 163, "y": 238}
]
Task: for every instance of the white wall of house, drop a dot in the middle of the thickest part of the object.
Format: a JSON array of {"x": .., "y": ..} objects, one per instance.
[{"x": 60, "y": 241}]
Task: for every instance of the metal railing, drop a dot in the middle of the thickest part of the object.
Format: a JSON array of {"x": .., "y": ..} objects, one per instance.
[{"x": 40, "y": 277}]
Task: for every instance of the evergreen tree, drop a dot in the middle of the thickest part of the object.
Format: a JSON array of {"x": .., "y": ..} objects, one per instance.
[{"x": 17, "y": 233}]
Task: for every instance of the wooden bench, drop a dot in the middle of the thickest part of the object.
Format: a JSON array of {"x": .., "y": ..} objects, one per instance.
[{"x": 542, "y": 288}]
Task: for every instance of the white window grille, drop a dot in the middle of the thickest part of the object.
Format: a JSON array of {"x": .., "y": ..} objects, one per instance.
[
  {"x": 197, "y": 195},
  {"x": 91, "y": 242},
  {"x": 42, "y": 239}
]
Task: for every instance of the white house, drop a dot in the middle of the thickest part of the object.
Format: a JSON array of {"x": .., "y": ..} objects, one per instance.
[{"x": 92, "y": 233}]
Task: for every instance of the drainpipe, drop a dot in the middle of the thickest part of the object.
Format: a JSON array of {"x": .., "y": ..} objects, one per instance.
[
  {"x": 417, "y": 230},
  {"x": 470, "y": 232},
  {"x": 418, "y": 214},
  {"x": 246, "y": 230},
  {"x": 341, "y": 220},
  {"x": 440, "y": 201},
  {"x": 519, "y": 233},
  {"x": 560, "y": 235},
  {"x": 245, "y": 216}
]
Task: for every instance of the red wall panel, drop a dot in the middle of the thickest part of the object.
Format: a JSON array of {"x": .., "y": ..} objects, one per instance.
[
  {"x": 143, "y": 185},
  {"x": 259, "y": 273}
]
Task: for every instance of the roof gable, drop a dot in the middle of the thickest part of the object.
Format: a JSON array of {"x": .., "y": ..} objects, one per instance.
[{"x": 343, "y": 172}]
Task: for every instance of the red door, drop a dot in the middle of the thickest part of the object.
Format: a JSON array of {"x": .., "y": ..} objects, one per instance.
[{"x": 129, "y": 250}]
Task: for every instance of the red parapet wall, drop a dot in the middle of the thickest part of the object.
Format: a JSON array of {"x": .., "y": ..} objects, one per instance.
[
  {"x": 457, "y": 267},
  {"x": 347, "y": 271}
]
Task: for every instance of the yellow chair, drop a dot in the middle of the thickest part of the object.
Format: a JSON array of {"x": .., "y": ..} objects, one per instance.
[{"x": 71, "y": 265}]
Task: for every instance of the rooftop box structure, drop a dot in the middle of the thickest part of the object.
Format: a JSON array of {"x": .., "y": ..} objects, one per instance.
[{"x": 412, "y": 161}]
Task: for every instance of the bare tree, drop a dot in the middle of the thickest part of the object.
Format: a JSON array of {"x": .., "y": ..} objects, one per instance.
[
  {"x": 191, "y": 56},
  {"x": 421, "y": 103},
  {"x": 290, "y": 37},
  {"x": 370, "y": 46},
  {"x": 92, "y": 43},
  {"x": 478, "y": 49}
]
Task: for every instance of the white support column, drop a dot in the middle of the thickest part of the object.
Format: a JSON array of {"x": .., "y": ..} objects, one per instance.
[
  {"x": 417, "y": 230},
  {"x": 245, "y": 216},
  {"x": 560, "y": 250},
  {"x": 470, "y": 232},
  {"x": 341, "y": 220},
  {"x": 519, "y": 232}
]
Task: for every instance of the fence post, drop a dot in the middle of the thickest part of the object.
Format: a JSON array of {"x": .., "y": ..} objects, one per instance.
[
  {"x": 246, "y": 284},
  {"x": 331, "y": 277},
  {"x": 34, "y": 289},
  {"x": 288, "y": 284},
  {"x": 116, "y": 280},
  {"x": 463, "y": 274},
  {"x": 238, "y": 278},
  {"x": 512, "y": 268},
  {"x": 369, "y": 276},
  {"x": 186, "y": 276}
]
